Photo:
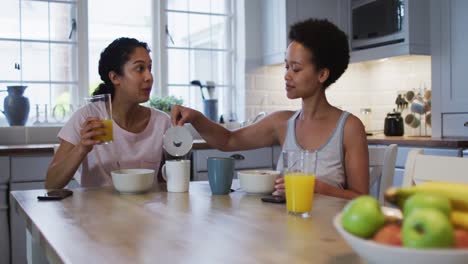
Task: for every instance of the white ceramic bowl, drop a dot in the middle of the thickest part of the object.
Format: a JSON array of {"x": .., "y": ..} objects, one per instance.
[
  {"x": 381, "y": 254},
  {"x": 258, "y": 181},
  {"x": 133, "y": 180}
]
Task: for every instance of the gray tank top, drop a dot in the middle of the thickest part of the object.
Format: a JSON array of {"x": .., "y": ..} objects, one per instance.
[{"x": 328, "y": 159}]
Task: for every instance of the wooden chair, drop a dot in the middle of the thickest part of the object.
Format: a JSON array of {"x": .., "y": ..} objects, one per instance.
[
  {"x": 382, "y": 161},
  {"x": 420, "y": 168}
]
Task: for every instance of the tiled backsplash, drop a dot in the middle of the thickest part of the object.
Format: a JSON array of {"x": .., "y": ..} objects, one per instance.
[{"x": 373, "y": 84}]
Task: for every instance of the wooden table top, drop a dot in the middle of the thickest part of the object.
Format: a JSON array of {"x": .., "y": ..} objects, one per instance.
[{"x": 99, "y": 225}]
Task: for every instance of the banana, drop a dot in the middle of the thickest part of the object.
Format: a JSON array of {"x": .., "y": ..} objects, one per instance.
[
  {"x": 456, "y": 192},
  {"x": 459, "y": 219}
]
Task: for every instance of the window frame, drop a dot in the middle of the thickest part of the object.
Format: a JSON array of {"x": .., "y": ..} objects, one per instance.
[
  {"x": 21, "y": 41},
  {"x": 229, "y": 98},
  {"x": 159, "y": 54}
]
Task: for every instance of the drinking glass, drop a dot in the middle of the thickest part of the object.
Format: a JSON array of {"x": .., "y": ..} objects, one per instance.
[
  {"x": 299, "y": 177},
  {"x": 100, "y": 106}
]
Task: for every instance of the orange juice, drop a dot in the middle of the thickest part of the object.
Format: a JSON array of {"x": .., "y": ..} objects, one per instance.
[
  {"x": 299, "y": 192},
  {"x": 108, "y": 129}
]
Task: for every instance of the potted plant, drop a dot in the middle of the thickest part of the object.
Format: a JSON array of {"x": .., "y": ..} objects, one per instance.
[{"x": 165, "y": 103}]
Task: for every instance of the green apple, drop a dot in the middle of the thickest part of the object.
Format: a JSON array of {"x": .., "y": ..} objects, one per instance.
[
  {"x": 427, "y": 200},
  {"x": 427, "y": 228},
  {"x": 362, "y": 216}
]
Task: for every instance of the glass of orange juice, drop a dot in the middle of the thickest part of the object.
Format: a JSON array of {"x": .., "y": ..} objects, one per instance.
[
  {"x": 299, "y": 178},
  {"x": 100, "y": 106}
]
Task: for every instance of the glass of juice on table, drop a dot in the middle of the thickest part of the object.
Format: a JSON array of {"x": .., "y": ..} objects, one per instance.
[
  {"x": 299, "y": 178},
  {"x": 100, "y": 106}
]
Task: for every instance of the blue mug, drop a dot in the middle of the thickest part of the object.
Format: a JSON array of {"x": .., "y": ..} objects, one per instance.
[{"x": 220, "y": 174}]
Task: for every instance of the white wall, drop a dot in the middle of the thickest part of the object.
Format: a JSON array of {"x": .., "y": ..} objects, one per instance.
[{"x": 373, "y": 84}]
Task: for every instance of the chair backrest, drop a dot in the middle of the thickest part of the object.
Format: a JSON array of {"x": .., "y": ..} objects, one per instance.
[
  {"x": 420, "y": 168},
  {"x": 382, "y": 161}
]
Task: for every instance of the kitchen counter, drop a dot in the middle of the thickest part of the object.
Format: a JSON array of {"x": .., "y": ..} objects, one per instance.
[
  {"x": 419, "y": 141},
  {"x": 27, "y": 149},
  {"x": 201, "y": 144},
  {"x": 49, "y": 148}
]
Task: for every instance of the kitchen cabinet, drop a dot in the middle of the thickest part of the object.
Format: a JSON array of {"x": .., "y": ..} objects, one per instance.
[
  {"x": 4, "y": 222},
  {"x": 27, "y": 172},
  {"x": 415, "y": 34},
  {"x": 449, "y": 35},
  {"x": 248, "y": 159},
  {"x": 278, "y": 15}
]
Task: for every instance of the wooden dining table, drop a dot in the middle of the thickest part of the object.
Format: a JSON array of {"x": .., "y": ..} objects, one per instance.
[{"x": 100, "y": 225}]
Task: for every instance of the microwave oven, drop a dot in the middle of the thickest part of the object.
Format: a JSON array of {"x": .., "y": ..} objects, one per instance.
[{"x": 376, "y": 23}]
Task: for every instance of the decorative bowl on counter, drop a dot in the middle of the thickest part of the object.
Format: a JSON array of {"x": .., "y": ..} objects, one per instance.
[
  {"x": 258, "y": 181},
  {"x": 378, "y": 253},
  {"x": 132, "y": 180}
]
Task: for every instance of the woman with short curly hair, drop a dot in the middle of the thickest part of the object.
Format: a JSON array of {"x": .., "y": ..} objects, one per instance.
[{"x": 317, "y": 55}]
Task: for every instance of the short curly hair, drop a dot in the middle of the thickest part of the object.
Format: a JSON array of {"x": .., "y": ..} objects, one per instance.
[{"x": 327, "y": 43}]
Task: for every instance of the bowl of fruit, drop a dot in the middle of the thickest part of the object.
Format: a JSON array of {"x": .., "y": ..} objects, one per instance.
[{"x": 429, "y": 224}]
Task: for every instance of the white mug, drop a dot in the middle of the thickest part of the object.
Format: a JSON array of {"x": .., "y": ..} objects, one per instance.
[{"x": 177, "y": 175}]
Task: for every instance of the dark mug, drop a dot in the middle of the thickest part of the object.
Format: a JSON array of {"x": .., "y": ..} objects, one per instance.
[{"x": 220, "y": 174}]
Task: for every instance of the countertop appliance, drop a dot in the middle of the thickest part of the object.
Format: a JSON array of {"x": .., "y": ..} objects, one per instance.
[{"x": 393, "y": 125}]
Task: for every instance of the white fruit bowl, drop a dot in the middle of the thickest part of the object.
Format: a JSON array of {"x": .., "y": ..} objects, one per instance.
[
  {"x": 382, "y": 254},
  {"x": 258, "y": 181}
]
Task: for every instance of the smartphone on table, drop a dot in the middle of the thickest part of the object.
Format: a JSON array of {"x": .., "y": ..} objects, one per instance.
[
  {"x": 274, "y": 199},
  {"x": 54, "y": 195}
]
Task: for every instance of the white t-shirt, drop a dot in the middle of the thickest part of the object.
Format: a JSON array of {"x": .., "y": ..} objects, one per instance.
[{"x": 131, "y": 150}]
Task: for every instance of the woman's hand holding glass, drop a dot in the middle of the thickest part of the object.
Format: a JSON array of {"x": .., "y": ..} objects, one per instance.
[{"x": 91, "y": 129}]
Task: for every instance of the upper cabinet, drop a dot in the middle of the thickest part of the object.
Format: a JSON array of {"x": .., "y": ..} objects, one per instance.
[
  {"x": 278, "y": 15},
  {"x": 449, "y": 35},
  {"x": 386, "y": 28}
]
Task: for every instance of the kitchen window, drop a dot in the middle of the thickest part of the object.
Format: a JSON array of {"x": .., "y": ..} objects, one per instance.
[
  {"x": 38, "y": 48},
  {"x": 53, "y": 47},
  {"x": 198, "y": 44}
]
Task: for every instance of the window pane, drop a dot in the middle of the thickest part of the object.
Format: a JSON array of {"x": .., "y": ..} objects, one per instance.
[
  {"x": 220, "y": 62},
  {"x": 10, "y": 54},
  {"x": 39, "y": 96},
  {"x": 191, "y": 96},
  {"x": 219, "y": 30},
  {"x": 201, "y": 66},
  {"x": 61, "y": 103},
  {"x": 199, "y": 5},
  {"x": 95, "y": 48},
  {"x": 9, "y": 15},
  {"x": 220, "y": 6},
  {"x": 103, "y": 29},
  {"x": 63, "y": 64},
  {"x": 35, "y": 63},
  {"x": 177, "y": 24},
  {"x": 178, "y": 67},
  {"x": 50, "y": 111},
  {"x": 116, "y": 23},
  {"x": 177, "y": 4},
  {"x": 200, "y": 32},
  {"x": 34, "y": 20},
  {"x": 61, "y": 16}
]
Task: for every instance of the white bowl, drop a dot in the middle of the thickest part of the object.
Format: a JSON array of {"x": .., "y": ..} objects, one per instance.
[
  {"x": 258, "y": 181},
  {"x": 382, "y": 254},
  {"x": 133, "y": 180}
]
